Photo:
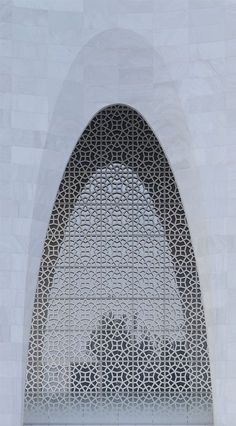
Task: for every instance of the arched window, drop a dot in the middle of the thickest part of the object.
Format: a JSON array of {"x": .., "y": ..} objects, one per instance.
[{"x": 118, "y": 333}]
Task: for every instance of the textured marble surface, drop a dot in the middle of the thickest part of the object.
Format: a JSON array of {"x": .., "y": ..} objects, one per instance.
[{"x": 63, "y": 60}]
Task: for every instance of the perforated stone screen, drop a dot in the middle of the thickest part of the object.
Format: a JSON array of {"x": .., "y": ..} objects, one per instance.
[{"x": 118, "y": 333}]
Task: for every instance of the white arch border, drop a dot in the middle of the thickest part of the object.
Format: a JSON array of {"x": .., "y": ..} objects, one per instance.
[{"x": 119, "y": 66}]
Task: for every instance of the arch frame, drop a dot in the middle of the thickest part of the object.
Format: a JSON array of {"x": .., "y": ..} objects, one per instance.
[{"x": 161, "y": 107}]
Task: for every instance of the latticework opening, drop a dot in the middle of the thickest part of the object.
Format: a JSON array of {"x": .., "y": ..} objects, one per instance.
[{"x": 118, "y": 333}]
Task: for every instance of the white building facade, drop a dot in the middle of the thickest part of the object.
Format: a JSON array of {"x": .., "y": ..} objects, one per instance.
[{"x": 61, "y": 62}]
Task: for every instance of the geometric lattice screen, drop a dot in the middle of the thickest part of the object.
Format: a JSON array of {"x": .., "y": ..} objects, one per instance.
[{"x": 118, "y": 333}]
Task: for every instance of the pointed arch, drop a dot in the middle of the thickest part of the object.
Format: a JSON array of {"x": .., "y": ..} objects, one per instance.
[{"x": 119, "y": 144}]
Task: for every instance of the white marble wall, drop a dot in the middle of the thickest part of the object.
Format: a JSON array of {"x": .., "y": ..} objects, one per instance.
[{"x": 63, "y": 60}]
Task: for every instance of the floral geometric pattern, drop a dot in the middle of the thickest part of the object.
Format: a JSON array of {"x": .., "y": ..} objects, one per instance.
[{"x": 118, "y": 333}]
